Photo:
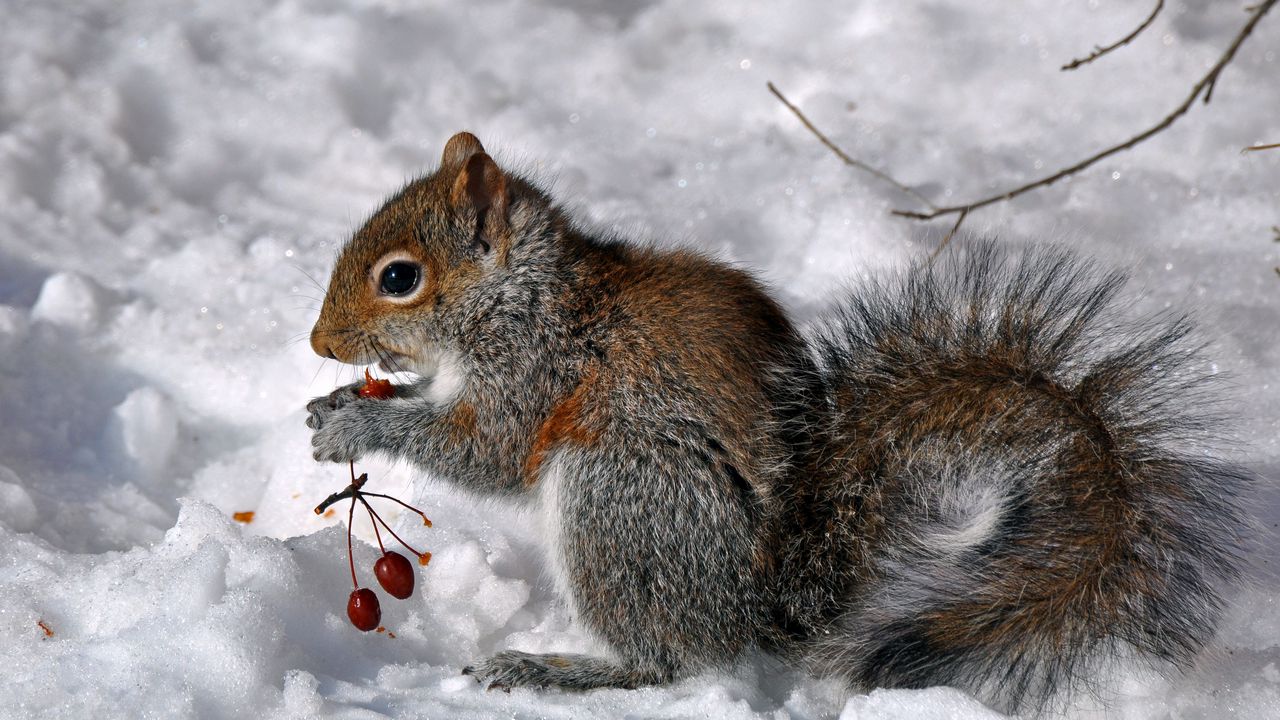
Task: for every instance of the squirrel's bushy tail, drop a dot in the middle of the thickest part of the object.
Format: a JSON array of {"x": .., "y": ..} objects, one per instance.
[{"x": 1021, "y": 482}]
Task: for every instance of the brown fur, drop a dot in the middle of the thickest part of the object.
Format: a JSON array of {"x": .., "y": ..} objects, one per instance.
[
  {"x": 985, "y": 397},
  {"x": 975, "y": 487},
  {"x": 572, "y": 421}
]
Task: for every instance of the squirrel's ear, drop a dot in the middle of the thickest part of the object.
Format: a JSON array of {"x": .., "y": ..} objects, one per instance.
[
  {"x": 459, "y": 148},
  {"x": 481, "y": 185}
]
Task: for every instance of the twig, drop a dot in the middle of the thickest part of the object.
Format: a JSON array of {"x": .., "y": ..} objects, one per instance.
[
  {"x": 845, "y": 156},
  {"x": 1254, "y": 148},
  {"x": 351, "y": 558},
  {"x": 1205, "y": 87},
  {"x": 946, "y": 239},
  {"x": 1100, "y": 51},
  {"x": 351, "y": 491},
  {"x": 1275, "y": 229}
]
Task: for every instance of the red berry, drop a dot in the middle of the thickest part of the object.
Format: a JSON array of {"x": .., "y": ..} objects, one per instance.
[
  {"x": 395, "y": 574},
  {"x": 378, "y": 389},
  {"x": 362, "y": 608}
]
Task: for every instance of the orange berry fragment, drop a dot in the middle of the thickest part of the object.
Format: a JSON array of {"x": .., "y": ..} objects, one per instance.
[
  {"x": 48, "y": 631},
  {"x": 245, "y": 517},
  {"x": 377, "y": 389},
  {"x": 424, "y": 558}
]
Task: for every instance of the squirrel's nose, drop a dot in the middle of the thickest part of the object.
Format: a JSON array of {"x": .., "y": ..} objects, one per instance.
[{"x": 321, "y": 346}]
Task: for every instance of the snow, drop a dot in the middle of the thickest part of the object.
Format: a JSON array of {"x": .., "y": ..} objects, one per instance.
[
  {"x": 69, "y": 300},
  {"x": 932, "y": 704},
  {"x": 176, "y": 178}
]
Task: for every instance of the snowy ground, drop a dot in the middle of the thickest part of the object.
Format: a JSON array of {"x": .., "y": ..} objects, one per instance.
[{"x": 173, "y": 175}]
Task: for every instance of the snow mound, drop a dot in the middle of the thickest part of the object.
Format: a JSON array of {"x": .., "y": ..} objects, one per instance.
[{"x": 175, "y": 180}]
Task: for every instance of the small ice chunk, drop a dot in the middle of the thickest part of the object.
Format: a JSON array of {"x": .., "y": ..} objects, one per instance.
[
  {"x": 145, "y": 431},
  {"x": 17, "y": 509},
  {"x": 70, "y": 300},
  {"x": 13, "y": 329},
  {"x": 456, "y": 683},
  {"x": 461, "y": 577},
  {"x": 13, "y": 322},
  {"x": 301, "y": 696}
]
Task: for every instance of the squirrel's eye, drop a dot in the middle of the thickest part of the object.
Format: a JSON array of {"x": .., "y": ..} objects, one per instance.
[{"x": 398, "y": 278}]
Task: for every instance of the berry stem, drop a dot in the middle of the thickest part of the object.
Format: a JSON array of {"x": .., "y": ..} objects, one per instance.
[
  {"x": 407, "y": 506},
  {"x": 376, "y": 534},
  {"x": 350, "y": 555},
  {"x": 350, "y": 492},
  {"x": 388, "y": 527}
]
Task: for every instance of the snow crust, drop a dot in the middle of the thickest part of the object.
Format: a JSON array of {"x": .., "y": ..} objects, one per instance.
[{"x": 176, "y": 178}]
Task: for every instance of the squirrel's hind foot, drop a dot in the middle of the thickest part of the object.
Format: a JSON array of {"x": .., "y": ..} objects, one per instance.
[{"x": 514, "y": 669}]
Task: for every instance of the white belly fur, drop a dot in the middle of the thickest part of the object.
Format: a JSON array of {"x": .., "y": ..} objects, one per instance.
[{"x": 550, "y": 517}]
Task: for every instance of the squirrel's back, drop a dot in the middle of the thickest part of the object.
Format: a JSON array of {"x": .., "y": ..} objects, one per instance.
[{"x": 1017, "y": 490}]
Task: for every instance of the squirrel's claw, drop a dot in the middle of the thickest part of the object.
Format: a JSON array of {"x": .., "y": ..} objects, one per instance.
[
  {"x": 495, "y": 685},
  {"x": 338, "y": 434}
]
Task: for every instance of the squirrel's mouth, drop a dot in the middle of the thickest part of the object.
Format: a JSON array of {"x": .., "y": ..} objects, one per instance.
[
  {"x": 424, "y": 364},
  {"x": 393, "y": 362}
]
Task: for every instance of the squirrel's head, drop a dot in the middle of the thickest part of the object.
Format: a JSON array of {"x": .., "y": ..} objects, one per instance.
[{"x": 421, "y": 254}]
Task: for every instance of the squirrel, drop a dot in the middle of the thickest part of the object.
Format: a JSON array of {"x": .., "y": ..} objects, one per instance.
[{"x": 976, "y": 473}]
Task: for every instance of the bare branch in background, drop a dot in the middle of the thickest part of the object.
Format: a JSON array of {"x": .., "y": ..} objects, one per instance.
[
  {"x": 1100, "y": 51},
  {"x": 1275, "y": 230},
  {"x": 848, "y": 160},
  {"x": 1253, "y": 148},
  {"x": 946, "y": 239},
  {"x": 1203, "y": 87}
]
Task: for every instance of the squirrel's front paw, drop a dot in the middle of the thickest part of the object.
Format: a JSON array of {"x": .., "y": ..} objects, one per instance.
[
  {"x": 340, "y": 434},
  {"x": 319, "y": 409},
  {"x": 340, "y": 438}
]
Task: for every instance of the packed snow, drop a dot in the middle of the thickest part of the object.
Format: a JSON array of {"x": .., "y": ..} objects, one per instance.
[{"x": 175, "y": 179}]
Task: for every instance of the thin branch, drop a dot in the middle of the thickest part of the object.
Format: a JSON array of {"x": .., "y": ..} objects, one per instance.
[
  {"x": 946, "y": 239},
  {"x": 845, "y": 156},
  {"x": 1205, "y": 87},
  {"x": 351, "y": 558},
  {"x": 1100, "y": 51},
  {"x": 350, "y": 491},
  {"x": 1255, "y": 148}
]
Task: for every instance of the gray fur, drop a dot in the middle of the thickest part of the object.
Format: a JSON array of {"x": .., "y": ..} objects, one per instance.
[
  {"x": 1017, "y": 380},
  {"x": 659, "y": 539},
  {"x": 683, "y": 544}
]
